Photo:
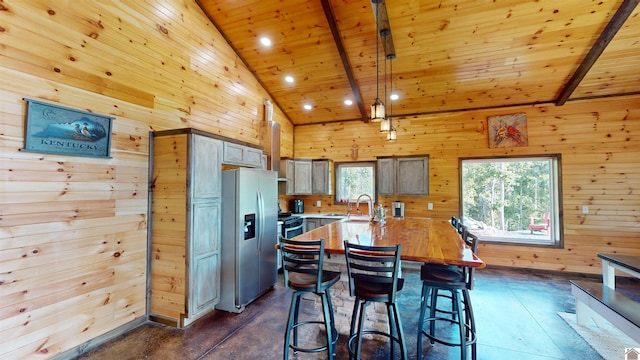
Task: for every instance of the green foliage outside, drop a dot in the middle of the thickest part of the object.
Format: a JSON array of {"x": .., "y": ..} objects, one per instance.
[
  {"x": 503, "y": 194},
  {"x": 354, "y": 181}
]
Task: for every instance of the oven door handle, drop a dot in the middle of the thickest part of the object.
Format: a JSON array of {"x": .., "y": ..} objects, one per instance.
[
  {"x": 292, "y": 229},
  {"x": 296, "y": 227}
]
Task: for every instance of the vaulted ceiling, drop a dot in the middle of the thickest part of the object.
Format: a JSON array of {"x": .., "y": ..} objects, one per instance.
[{"x": 450, "y": 55}]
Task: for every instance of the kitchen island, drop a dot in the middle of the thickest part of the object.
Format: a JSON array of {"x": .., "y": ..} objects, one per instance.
[{"x": 423, "y": 240}]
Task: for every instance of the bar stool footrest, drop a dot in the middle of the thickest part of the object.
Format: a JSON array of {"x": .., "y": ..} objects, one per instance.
[
  {"x": 334, "y": 338},
  {"x": 470, "y": 339},
  {"x": 369, "y": 332}
]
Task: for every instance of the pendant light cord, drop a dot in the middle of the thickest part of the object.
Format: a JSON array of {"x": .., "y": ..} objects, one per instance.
[
  {"x": 390, "y": 90},
  {"x": 385, "y": 79},
  {"x": 377, "y": 47}
]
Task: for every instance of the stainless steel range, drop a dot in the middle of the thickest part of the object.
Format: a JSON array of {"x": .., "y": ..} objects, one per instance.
[{"x": 291, "y": 226}]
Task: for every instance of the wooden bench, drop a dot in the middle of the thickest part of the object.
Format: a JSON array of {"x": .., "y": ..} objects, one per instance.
[
  {"x": 598, "y": 301},
  {"x": 610, "y": 262}
]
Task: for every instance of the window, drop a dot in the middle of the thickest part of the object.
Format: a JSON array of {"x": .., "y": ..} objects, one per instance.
[
  {"x": 514, "y": 200},
  {"x": 353, "y": 179}
]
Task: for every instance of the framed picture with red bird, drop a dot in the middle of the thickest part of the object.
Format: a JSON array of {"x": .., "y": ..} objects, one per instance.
[{"x": 508, "y": 130}]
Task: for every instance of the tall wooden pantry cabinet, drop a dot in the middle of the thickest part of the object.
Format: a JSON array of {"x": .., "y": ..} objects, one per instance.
[{"x": 185, "y": 225}]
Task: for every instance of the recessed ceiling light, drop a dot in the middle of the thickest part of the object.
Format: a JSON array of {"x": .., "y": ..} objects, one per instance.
[
  {"x": 265, "y": 41},
  {"x": 288, "y": 79},
  {"x": 394, "y": 97},
  {"x": 307, "y": 107},
  {"x": 348, "y": 102}
]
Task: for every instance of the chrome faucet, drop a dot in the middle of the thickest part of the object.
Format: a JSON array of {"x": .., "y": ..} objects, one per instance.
[{"x": 370, "y": 204}]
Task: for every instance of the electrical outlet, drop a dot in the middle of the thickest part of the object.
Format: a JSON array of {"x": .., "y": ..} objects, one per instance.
[
  {"x": 429, "y": 206},
  {"x": 318, "y": 203},
  {"x": 585, "y": 209}
]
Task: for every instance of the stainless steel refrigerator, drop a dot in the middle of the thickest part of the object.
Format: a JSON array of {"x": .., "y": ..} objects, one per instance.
[{"x": 249, "y": 236}]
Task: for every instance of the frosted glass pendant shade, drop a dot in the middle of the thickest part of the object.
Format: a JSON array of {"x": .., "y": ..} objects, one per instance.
[
  {"x": 385, "y": 125},
  {"x": 377, "y": 111},
  {"x": 392, "y": 135}
]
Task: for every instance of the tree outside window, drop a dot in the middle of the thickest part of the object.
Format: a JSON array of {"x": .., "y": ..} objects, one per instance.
[
  {"x": 512, "y": 199},
  {"x": 354, "y": 179}
]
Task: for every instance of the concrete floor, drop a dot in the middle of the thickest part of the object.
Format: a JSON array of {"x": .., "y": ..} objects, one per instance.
[{"x": 515, "y": 310}]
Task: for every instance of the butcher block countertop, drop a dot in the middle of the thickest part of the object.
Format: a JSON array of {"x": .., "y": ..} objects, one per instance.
[{"x": 422, "y": 239}]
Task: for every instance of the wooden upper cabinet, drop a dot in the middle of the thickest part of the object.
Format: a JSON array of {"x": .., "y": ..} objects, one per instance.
[
  {"x": 321, "y": 176},
  {"x": 412, "y": 176},
  {"x": 206, "y": 176},
  {"x": 306, "y": 177},
  {"x": 287, "y": 168},
  {"x": 302, "y": 177},
  {"x": 386, "y": 176},
  {"x": 237, "y": 154},
  {"x": 403, "y": 176}
]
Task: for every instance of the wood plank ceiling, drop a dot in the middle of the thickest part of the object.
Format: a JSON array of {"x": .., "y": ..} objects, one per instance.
[{"x": 450, "y": 55}]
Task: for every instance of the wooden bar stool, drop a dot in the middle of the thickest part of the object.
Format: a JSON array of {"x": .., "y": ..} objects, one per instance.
[
  {"x": 457, "y": 281},
  {"x": 374, "y": 277},
  {"x": 303, "y": 273}
]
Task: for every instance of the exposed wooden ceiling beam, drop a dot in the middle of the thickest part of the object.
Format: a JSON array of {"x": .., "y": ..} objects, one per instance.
[
  {"x": 331, "y": 20},
  {"x": 382, "y": 19},
  {"x": 618, "y": 19}
]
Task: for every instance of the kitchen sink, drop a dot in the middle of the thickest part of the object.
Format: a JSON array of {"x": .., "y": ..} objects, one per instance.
[{"x": 358, "y": 219}]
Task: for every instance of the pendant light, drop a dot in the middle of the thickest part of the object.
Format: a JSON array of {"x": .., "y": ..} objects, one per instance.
[
  {"x": 392, "y": 135},
  {"x": 385, "y": 124},
  {"x": 377, "y": 108}
]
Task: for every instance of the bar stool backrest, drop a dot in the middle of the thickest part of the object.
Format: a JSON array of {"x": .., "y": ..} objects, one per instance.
[
  {"x": 373, "y": 264},
  {"x": 463, "y": 230},
  {"x": 303, "y": 258},
  {"x": 472, "y": 242}
]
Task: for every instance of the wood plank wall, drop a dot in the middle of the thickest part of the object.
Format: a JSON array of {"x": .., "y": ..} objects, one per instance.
[
  {"x": 600, "y": 145},
  {"x": 170, "y": 227},
  {"x": 73, "y": 230}
]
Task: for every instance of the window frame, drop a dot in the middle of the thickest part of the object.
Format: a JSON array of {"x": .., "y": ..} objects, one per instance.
[
  {"x": 337, "y": 182},
  {"x": 556, "y": 237}
]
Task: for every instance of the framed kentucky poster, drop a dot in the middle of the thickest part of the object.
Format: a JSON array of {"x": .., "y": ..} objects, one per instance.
[{"x": 56, "y": 129}]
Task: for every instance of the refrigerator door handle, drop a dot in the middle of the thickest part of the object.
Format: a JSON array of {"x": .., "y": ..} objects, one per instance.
[{"x": 260, "y": 218}]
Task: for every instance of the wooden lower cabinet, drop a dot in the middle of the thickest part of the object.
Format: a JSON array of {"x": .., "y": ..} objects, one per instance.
[
  {"x": 311, "y": 223},
  {"x": 204, "y": 277},
  {"x": 185, "y": 226}
]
